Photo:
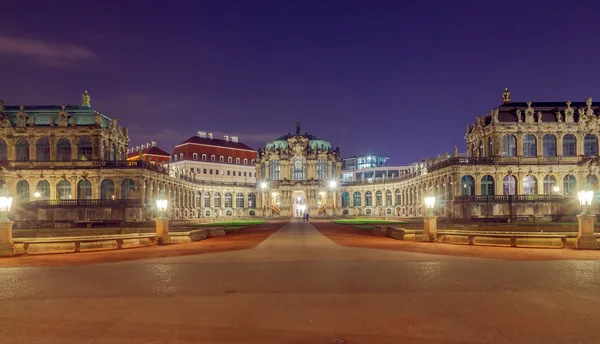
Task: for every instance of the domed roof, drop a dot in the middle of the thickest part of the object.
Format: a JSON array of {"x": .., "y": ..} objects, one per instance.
[{"x": 313, "y": 141}]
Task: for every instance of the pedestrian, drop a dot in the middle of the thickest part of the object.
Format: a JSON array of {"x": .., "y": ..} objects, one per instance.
[
  {"x": 307, "y": 217},
  {"x": 304, "y": 217}
]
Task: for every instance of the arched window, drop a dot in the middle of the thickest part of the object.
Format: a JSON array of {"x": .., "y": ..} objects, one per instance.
[
  {"x": 473, "y": 150},
  {"x": 63, "y": 150},
  {"x": 274, "y": 170},
  {"x": 591, "y": 182},
  {"x": 529, "y": 146},
  {"x": 217, "y": 200},
  {"x": 252, "y": 201},
  {"x": 84, "y": 189},
  {"x": 398, "y": 197},
  {"x": 245, "y": 161},
  {"x": 549, "y": 184},
  {"x": 221, "y": 159},
  {"x": 388, "y": 198},
  {"x": 128, "y": 189},
  {"x": 569, "y": 142},
  {"x": 467, "y": 185},
  {"x": 22, "y": 150},
  {"x": 529, "y": 185},
  {"x": 252, "y": 162},
  {"x": 490, "y": 147},
  {"x": 549, "y": 145},
  {"x": 379, "y": 198},
  {"x": 356, "y": 199},
  {"x": 22, "y": 191},
  {"x": 84, "y": 149},
  {"x": 42, "y": 149},
  {"x": 113, "y": 152},
  {"x": 3, "y": 151},
  {"x": 195, "y": 156},
  {"x": 212, "y": 158},
  {"x": 487, "y": 185},
  {"x": 298, "y": 166},
  {"x": 43, "y": 187},
  {"x": 509, "y": 145},
  {"x": 239, "y": 200},
  {"x": 181, "y": 156},
  {"x": 207, "y": 199},
  {"x": 509, "y": 186},
  {"x": 345, "y": 199},
  {"x": 228, "y": 200},
  {"x": 481, "y": 149},
  {"x": 237, "y": 161},
  {"x": 322, "y": 169},
  {"x": 590, "y": 145},
  {"x": 107, "y": 189},
  {"x": 368, "y": 199},
  {"x": 569, "y": 184},
  {"x": 203, "y": 157},
  {"x": 63, "y": 189}
]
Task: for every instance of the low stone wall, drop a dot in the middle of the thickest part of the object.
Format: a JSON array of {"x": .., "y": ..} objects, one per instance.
[{"x": 191, "y": 236}]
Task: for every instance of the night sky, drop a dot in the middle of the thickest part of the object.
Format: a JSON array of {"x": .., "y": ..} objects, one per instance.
[{"x": 398, "y": 78}]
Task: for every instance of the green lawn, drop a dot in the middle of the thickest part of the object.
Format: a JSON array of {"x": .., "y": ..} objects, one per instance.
[
  {"x": 366, "y": 222},
  {"x": 235, "y": 223}
]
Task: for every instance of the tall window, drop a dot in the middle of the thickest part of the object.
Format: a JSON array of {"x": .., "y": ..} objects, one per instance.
[
  {"x": 509, "y": 145},
  {"x": 569, "y": 145},
  {"x": 569, "y": 183},
  {"x": 3, "y": 151},
  {"x": 590, "y": 145},
  {"x": 127, "y": 189},
  {"x": 398, "y": 197},
  {"x": 228, "y": 200},
  {"x": 487, "y": 185},
  {"x": 84, "y": 149},
  {"x": 274, "y": 170},
  {"x": 113, "y": 152},
  {"x": 239, "y": 200},
  {"x": 245, "y": 161},
  {"x": 207, "y": 200},
  {"x": 379, "y": 198},
  {"x": 345, "y": 199},
  {"x": 63, "y": 189},
  {"x": 103, "y": 151},
  {"x": 549, "y": 145},
  {"x": 22, "y": 191},
  {"x": 195, "y": 156},
  {"x": 529, "y": 185},
  {"x": 84, "y": 189},
  {"x": 63, "y": 150},
  {"x": 509, "y": 185},
  {"x": 490, "y": 147},
  {"x": 217, "y": 200},
  {"x": 481, "y": 149},
  {"x": 221, "y": 159},
  {"x": 322, "y": 169},
  {"x": 356, "y": 199},
  {"x": 592, "y": 182},
  {"x": 467, "y": 186},
  {"x": 107, "y": 189},
  {"x": 298, "y": 166},
  {"x": 203, "y": 157},
  {"x": 529, "y": 146},
  {"x": 549, "y": 184},
  {"x": 43, "y": 187},
  {"x": 212, "y": 158},
  {"x": 252, "y": 201},
  {"x": 368, "y": 199},
  {"x": 388, "y": 198},
  {"x": 42, "y": 150}
]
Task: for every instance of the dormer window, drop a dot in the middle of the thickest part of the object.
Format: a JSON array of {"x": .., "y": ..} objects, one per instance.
[
  {"x": 203, "y": 157},
  {"x": 245, "y": 161},
  {"x": 221, "y": 159},
  {"x": 237, "y": 161},
  {"x": 229, "y": 160},
  {"x": 212, "y": 158},
  {"x": 180, "y": 156},
  {"x": 195, "y": 156}
]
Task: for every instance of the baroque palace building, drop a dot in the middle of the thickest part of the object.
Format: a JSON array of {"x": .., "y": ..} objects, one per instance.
[{"x": 523, "y": 161}]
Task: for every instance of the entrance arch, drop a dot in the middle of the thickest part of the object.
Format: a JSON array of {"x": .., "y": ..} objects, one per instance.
[{"x": 299, "y": 206}]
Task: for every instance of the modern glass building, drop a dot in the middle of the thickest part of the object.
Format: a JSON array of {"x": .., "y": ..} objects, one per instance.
[{"x": 362, "y": 162}]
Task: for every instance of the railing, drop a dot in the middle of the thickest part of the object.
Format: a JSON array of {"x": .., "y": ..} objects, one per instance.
[
  {"x": 511, "y": 198},
  {"x": 76, "y": 164},
  {"x": 83, "y": 203}
]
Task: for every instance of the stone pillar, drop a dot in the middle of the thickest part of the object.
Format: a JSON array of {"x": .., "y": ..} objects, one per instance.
[
  {"x": 585, "y": 238},
  {"x": 74, "y": 149},
  {"x": 430, "y": 228},
  {"x": 6, "y": 244},
  {"x": 162, "y": 231}
]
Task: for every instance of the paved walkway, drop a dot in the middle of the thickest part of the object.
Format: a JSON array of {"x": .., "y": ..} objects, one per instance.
[{"x": 299, "y": 287}]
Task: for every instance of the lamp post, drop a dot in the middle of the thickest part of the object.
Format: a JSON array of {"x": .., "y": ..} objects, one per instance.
[
  {"x": 162, "y": 222},
  {"x": 333, "y": 186},
  {"x": 585, "y": 237},
  {"x": 6, "y": 244},
  {"x": 429, "y": 220}
]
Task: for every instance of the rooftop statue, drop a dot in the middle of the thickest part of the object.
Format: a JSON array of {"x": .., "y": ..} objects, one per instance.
[
  {"x": 506, "y": 96},
  {"x": 85, "y": 99}
]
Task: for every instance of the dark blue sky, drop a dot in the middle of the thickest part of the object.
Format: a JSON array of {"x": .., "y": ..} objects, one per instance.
[{"x": 399, "y": 78}]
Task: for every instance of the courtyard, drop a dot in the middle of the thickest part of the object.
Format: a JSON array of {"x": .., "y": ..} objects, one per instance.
[{"x": 296, "y": 282}]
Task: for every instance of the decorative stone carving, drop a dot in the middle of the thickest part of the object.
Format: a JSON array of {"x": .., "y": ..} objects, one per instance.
[
  {"x": 21, "y": 117},
  {"x": 52, "y": 121},
  {"x": 495, "y": 116},
  {"x": 455, "y": 152},
  {"x": 73, "y": 120},
  {"x": 30, "y": 121},
  {"x": 559, "y": 117},
  {"x": 539, "y": 117},
  {"x": 519, "y": 116},
  {"x": 98, "y": 119},
  {"x": 63, "y": 117},
  {"x": 569, "y": 113},
  {"x": 529, "y": 113},
  {"x": 85, "y": 99}
]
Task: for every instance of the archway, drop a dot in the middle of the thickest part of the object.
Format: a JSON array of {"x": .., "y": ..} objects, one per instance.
[{"x": 299, "y": 204}]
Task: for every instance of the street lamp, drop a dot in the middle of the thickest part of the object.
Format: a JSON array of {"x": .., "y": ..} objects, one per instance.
[
  {"x": 161, "y": 206},
  {"x": 556, "y": 189},
  {"x": 5, "y": 204},
  {"x": 6, "y": 244},
  {"x": 332, "y": 184},
  {"x": 162, "y": 222},
  {"x": 429, "y": 204},
  {"x": 36, "y": 195},
  {"x": 429, "y": 221},
  {"x": 585, "y": 199}
]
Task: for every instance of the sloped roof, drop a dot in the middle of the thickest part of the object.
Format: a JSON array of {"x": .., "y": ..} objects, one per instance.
[{"x": 217, "y": 143}]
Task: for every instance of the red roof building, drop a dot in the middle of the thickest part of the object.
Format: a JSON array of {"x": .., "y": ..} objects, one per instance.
[{"x": 149, "y": 153}]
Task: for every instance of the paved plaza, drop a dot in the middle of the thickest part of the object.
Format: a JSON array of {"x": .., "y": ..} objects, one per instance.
[{"x": 298, "y": 286}]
